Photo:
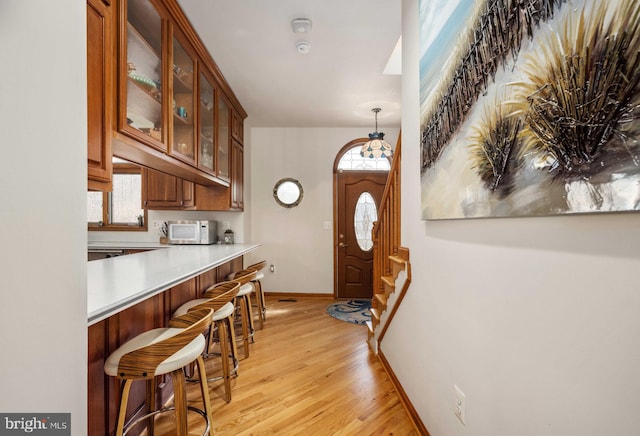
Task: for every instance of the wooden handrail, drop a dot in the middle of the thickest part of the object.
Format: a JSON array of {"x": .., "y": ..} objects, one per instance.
[
  {"x": 386, "y": 237},
  {"x": 386, "y": 230}
]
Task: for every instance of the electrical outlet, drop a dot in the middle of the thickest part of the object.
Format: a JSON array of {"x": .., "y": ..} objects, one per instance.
[
  {"x": 157, "y": 224},
  {"x": 460, "y": 404},
  {"x": 272, "y": 268}
]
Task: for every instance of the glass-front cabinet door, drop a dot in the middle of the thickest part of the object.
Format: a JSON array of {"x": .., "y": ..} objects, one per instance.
[
  {"x": 206, "y": 160},
  {"x": 143, "y": 86},
  {"x": 169, "y": 98},
  {"x": 183, "y": 144},
  {"x": 224, "y": 130}
]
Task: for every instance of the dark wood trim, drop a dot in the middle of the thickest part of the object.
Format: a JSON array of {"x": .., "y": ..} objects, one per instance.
[{"x": 404, "y": 399}]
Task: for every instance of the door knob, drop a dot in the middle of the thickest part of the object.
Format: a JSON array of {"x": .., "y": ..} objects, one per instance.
[{"x": 342, "y": 245}]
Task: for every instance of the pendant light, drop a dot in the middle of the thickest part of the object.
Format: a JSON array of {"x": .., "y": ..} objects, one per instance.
[{"x": 376, "y": 147}]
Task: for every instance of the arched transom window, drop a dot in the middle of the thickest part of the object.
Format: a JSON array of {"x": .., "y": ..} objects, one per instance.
[{"x": 352, "y": 160}]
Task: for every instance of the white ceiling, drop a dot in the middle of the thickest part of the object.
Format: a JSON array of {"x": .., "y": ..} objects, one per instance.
[{"x": 335, "y": 85}]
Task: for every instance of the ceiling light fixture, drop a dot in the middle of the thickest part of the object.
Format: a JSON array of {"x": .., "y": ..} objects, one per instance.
[
  {"x": 301, "y": 25},
  {"x": 376, "y": 147}
]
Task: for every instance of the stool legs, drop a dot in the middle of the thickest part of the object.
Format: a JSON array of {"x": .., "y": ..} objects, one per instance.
[
  {"x": 234, "y": 345},
  {"x": 228, "y": 349},
  {"x": 247, "y": 321},
  {"x": 204, "y": 390},
  {"x": 224, "y": 353},
  {"x": 122, "y": 410},
  {"x": 262, "y": 312},
  {"x": 180, "y": 401},
  {"x": 151, "y": 402}
]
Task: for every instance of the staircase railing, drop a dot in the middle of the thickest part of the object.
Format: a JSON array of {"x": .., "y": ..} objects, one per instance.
[{"x": 389, "y": 258}]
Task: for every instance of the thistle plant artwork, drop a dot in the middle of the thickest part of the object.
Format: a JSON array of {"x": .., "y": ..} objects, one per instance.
[
  {"x": 538, "y": 114},
  {"x": 493, "y": 148}
]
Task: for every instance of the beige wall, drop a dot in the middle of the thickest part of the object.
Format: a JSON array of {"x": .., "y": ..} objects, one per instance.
[
  {"x": 43, "y": 333},
  {"x": 535, "y": 319}
]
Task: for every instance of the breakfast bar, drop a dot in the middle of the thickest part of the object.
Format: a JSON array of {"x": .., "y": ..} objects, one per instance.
[
  {"x": 120, "y": 282},
  {"x": 127, "y": 295}
]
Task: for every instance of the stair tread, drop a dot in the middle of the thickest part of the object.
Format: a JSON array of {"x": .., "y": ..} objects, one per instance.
[
  {"x": 370, "y": 326},
  {"x": 397, "y": 259},
  {"x": 382, "y": 298},
  {"x": 375, "y": 313},
  {"x": 389, "y": 280}
]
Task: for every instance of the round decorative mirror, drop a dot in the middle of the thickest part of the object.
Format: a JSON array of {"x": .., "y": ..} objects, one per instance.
[{"x": 288, "y": 192}]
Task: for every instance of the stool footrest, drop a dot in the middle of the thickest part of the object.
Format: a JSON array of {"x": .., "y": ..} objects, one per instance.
[{"x": 129, "y": 425}]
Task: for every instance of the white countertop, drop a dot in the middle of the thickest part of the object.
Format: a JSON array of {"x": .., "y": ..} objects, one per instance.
[{"x": 117, "y": 283}]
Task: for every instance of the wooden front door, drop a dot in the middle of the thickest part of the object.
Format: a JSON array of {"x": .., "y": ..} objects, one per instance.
[{"x": 354, "y": 260}]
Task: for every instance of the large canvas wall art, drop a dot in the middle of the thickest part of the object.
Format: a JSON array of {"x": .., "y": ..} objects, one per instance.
[{"x": 529, "y": 107}]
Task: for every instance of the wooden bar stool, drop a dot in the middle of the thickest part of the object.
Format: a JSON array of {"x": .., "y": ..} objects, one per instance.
[
  {"x": 220, "y": 298},
  {"x": 243, "y": 304},
  {"x": 163, "y": 351},
  {"x": 225, "y": 294},
  {"x": 257, "y": 285}
]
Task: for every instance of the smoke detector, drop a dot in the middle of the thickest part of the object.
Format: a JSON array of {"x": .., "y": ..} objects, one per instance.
[
  {"x": 301, "y": 25},
  {"x": 303, "y": 47}
]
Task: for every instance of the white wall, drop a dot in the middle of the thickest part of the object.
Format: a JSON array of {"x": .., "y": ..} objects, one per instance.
[
  {"x": 535, "y": 319},
  {"x": 43, "y": 339},
  {"x": 294, "y": 239}
]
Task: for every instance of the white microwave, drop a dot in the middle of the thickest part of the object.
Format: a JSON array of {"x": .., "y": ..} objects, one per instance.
[{"x": 192, "y": 232}]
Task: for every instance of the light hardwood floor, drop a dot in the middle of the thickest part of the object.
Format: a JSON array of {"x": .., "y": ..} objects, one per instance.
[{"x": 307, "y": 374}]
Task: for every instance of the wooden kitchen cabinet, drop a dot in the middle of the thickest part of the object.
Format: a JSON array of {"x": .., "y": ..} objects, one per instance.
[
  {"x": 164, "y": 191},
  {"x": 207, "y": 131},
  {"x": 175, "y": 108},
  {"x": 183, "y": 110},
  {"x": 231, "y": 153},
  {"x": 142, "y": 84},
  {"x": 223, "y": 127},
  {"x": 100, "y": 64},
  {"x": 237, "y": 127},
  {"x": 237, "y": 176}
]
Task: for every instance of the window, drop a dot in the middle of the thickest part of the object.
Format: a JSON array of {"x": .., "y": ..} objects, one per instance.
[
  {"x": 365, "y": 215},
  {"x": 352, "y": 160},
  {"x": 122, "y": 208}
]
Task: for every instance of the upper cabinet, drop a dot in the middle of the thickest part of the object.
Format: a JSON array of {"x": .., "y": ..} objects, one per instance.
[
  {"x": 183, "y": 110},
  {"x": 142, "y": 87},
  {"x": 100, "y": 64},
  {"x": 237, "y": 127},
  {"x": 237, "y": 180},
  {"x": 206, "y": 145},
  {"x": 163, "y": 191},
  {"x": 174, "y": 111},
  {"x": 224, "y": 138}
]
